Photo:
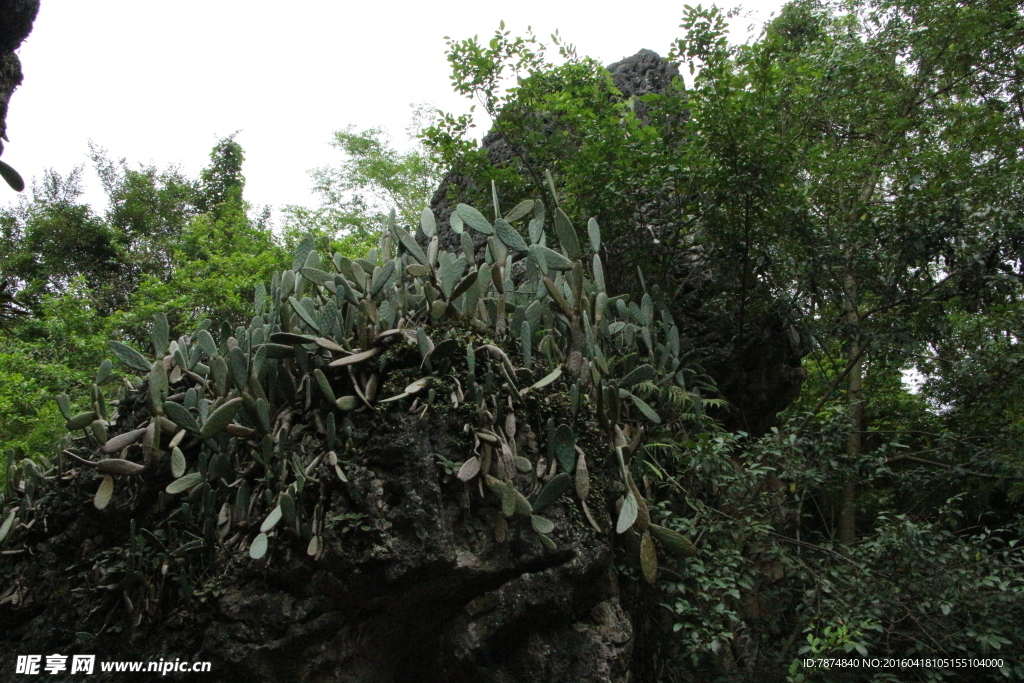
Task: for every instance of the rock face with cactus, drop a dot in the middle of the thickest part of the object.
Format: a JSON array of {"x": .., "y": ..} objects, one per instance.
[{"x": 410, "y": 466}]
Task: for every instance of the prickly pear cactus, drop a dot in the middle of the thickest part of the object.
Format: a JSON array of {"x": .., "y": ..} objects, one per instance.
[{"x": 226, "y": 446}]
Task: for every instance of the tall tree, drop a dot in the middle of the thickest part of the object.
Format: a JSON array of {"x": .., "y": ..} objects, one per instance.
[
  {"x": 859, "y": 161},
  {"x": 372, "y": 178}
]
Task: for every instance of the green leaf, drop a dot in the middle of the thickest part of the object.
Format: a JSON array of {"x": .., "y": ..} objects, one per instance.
[
  {"x": 287, "y": 509},
  {"x": 305, "y": 245},
  {"x": 290, "y": 338},
  {"x": 504, "y": 492},
  {"x": 507, "y": 234},
  {"x": 180, "y": 415},
  {"x": 178, "y": 463},
  {"x": 8, "y": 524},
  {"x": 526, "y": 344},
  {"x": 598, "y": 269},
  {"x": 219, "y": 372},
  {"x": 552, "y": 258},
  {"x": 474, "y": 219},
  {"x": 317, "y": 276},
  {"x": 627, "y": 515},
  {"x": 239, "y": 366},
  {"x": 64, "y": 403},
  {"x": 551, "y": 185},
  {"x": 355, "y": 358},
  {"x": 220, "y": 419},
  {"x": 639, "y": 374},
  {"x": 423, "y": 342},
  {"x": 129, "y": 356},
  {"x": 123, "y": 440},
  {"x": 12, "y": 177},
  {"x": 80, "y": 421},
  {"x": 158, "y": 383},
  {"x": 161, "y": 332},
  {"x": 521, "y": 209},
  {"x": 537, "y": 223},
  {"x": 542, "y": 525},
  {"x": 552, "y": 491},
  {"x": 450, "y": 272},
  {"x": 381, "y": 278},
  {"x": 674, "y": 541},
  {"x": 469, "y": 469},
  {"x": 104, "y": 493},
  {"x": 557, "y": 296},
  {"x": 646, "y": 409},
  {"x": 272, "y": 519},
  {"x": 206, "y": 343},
  {"x": 456, "y": 223},
  {"x": 263, "y": 413},
  {"x": 301, "y": 311},
  {"x": 427, "y": 223},
  {"x": 565, "y": 447},
  {"x": 567, "y": 236},
  {"x": 648, "y": 558},
  {"x": 103, "y": 374},
  {"x": 464, "y": 284},
  {"x": 347, "y": 403},
  {"x": 411, "y": 245},
  {"x": 184, "y": 483},
  {"x": 547, "y": 379},
  {"x": 259, "y": 546},
  {"x": 444, "y": 349},
  {"x": 260, "y": 298},
  {"x": 594, "y": 233}
]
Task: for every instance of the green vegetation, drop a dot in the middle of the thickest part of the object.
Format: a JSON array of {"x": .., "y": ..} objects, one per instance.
[
  {"x": 859, "y": 165},
  {"x": 853, "y": 173},
  {"x": 373, "y": 179},
  {"x": 165, "y": 243}
]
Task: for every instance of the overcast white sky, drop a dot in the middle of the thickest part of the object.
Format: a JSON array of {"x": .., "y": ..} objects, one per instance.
[{"x": 159, "y": 82}]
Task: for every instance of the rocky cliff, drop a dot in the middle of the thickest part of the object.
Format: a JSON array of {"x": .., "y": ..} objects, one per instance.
[
  {"x": 16, "y": 17},
  {"x": 374, "y": 481}
]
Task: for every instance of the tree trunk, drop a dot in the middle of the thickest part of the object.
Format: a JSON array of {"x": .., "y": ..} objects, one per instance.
[{"x": 855, "y": 407}]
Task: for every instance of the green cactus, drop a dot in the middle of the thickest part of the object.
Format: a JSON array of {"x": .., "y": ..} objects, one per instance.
[{"x": 333, "y": 339}]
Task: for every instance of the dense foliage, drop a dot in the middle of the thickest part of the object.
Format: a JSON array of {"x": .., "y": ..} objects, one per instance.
[
  {"x": 186, "y": 248},
  {"x": 373, "y": 178},
  {"x": 861, "y": 164},
  {"x": 855, "y": 170}
]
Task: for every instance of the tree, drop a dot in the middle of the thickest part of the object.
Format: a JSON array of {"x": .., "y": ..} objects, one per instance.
[
  {"x": 373, "y": 178},
  {"x": 860, "y": 164},
  {"x": 215, "y": 252},
  {"x": 188, "y": 249},
  {"x": 825, "y": 166},
  {"x": 53, "y": 238},
  {"x": 149, "y": 208},
  {"x": 895, "y": 117}
]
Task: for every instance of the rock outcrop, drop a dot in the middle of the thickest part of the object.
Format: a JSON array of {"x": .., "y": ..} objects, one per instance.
[
  {"x": 16, "y": 17},
  {"x": 325, "y": 496},
  {"x": 411, "y": 587}
]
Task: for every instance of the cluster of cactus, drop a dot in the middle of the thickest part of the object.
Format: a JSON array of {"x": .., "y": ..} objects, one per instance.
[{"x": 215, "y": 424}]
